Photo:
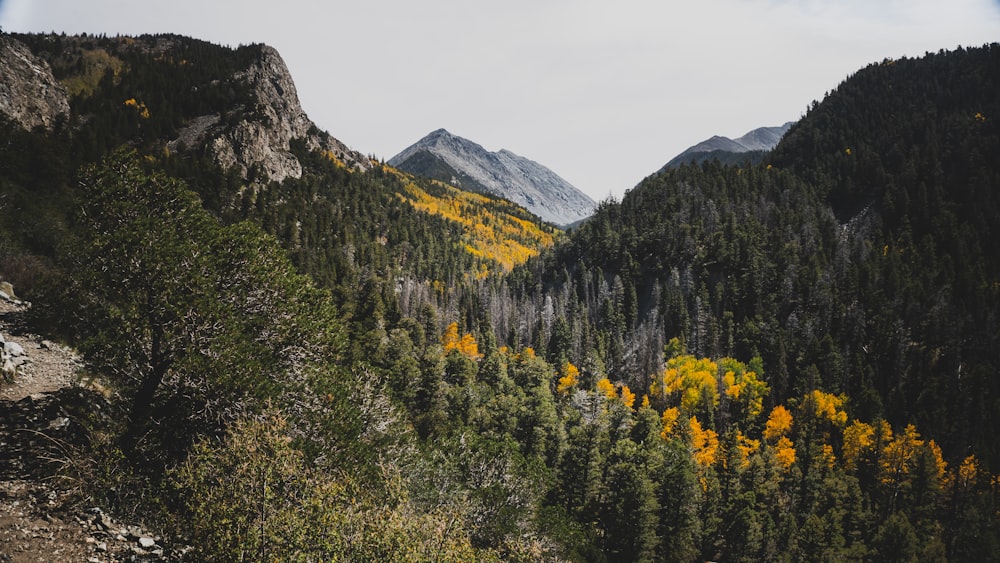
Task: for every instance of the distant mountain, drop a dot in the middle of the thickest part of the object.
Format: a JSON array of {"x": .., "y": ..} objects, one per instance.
[
  {"x": 748, "y": 148},
  {"x": 467, "y": 165}
]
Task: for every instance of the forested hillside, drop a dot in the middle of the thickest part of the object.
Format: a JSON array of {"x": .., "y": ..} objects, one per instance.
[{"x": 785, "y": 361}]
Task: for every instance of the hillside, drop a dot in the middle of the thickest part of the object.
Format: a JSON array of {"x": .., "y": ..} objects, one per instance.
[
  {"x": 784, "y": 361},
  {"x": 467, "y": 165}
]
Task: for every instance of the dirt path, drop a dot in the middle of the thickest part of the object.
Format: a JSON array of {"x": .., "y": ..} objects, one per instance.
[
  {"x": 44, "y": 518},
  {"x": 50, "y": 366}
]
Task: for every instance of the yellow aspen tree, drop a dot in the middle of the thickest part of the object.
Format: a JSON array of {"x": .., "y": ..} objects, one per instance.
[
  {"x": 784, "y": 452},
  {"x": 828, "y": 407},
  {"x": 628, "y": 397},
  {"x": 450, "y": 340},
  {"x": 858, "y": 439},
  {"x": 968, "y": 473},
  {"x": 607, "y": 388},
  {"x": 669, "y": 420},
  {"x": 778, "y": 424},
  {"x": 747, "y": 447},
  {"x": 940, "y": 465},
  {"x": 468, "y": 346},
  {"x": 569, "y": 378},
  {"x": 898, "y": 456},
  {"x": 704, "y": 443}
]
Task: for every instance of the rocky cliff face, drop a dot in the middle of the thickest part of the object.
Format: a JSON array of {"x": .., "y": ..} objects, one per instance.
[
  {"x": 257, "y": 135},
  {"x": 29, "y": 95},
  {"x": 467, "y": 165},
  {"x": 263, "y": 138}
]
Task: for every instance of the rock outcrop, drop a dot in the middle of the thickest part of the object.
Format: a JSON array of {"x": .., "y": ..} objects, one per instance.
[
  {"x": 29, "y": 94},
  {"x": 262, "y": 138}
]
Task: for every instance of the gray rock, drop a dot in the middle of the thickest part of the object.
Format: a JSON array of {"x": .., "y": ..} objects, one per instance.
[
  {"x": 146, "y": 542},
  {"x": 29, "y": 94},
  {"x": 13, "y": 349},
  {"x": 263, "y": 138}
]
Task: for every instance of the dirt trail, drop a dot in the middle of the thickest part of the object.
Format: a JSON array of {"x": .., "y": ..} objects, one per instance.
[
  {"x": 50, "y": 366},
  {"x": 43, "y": 517}
]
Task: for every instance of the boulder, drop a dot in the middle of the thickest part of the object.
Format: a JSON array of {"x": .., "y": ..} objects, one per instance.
[{"x": 13, "y": 349}]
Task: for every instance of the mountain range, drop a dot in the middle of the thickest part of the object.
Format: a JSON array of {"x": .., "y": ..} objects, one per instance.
[
  {"x": 747, "y": 149},
  {"x": 467, "y": 165},
  {"x": 294, "y": 352}
]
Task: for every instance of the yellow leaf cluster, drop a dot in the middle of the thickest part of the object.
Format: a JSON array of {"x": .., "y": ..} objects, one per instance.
[
  {"x": 857, "y": 440},
  {"x": 778, "y": 424},
  {"x": 704, "y": 443},
  {"x": 828, "y": 456},
  {"x": 899, "y": 455},
  {"x": 743, "y": 386},
  {"x": 689, "y": 377},
  {"x": 466, "y": 344},
  {"x": 828, "y": 407},
  {"x": 568, "y": 379},
  {"x": 968, "y": 472},
  {"x": 491, "y": 230},
  {"x": 940, "y": 465},
  {"x": 669, "y": 420},
  {"x": 607, "y": 388},
  {"x": 784, "y": 452},
  {"x": 332, "y": 157},
  {"x": 747, "y": 447},
  {"x": 140, "y": 107},
  {"x": 628, "y": 397}
]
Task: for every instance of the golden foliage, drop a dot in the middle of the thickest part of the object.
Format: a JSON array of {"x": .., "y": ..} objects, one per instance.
[
  {"x": 492, "y": 231},
  {"x": 140, "y": 107},
  {"x": 899, "y": 455},
  {"x": 940, "y": 465},
  {"x": 828, "y": 407},
  {"x": 828, "y": 456},
  {"x": 607, "y": 388},
  {"x": 857, "y": 441},
  {"x": 669, "y": 420},
  {"x": 628, "y": 397},
  {"x": 784, "y": 452},
  {"x": 747, "y": 447},
  {"x": 690, "y": 378},
  {"x": 466, "y": 344},
  {"x": 704, "y": 443},
  {"x": 778, "y": 424},
  {"x": 569, "y": 378},
  {"x": 968, "y": 472}
]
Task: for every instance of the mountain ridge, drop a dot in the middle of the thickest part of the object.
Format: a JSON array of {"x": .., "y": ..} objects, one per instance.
[
  {"x": 727, "y": 150},
  {"x": 455, "y": 160}
]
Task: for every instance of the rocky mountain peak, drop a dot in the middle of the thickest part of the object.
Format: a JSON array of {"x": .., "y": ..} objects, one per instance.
[
  {"x": 262, "y": 138},
  {"x": 29, "y": 94},
  {"x": 465, "y": 164},
  {"x": 760, "y": 139}
]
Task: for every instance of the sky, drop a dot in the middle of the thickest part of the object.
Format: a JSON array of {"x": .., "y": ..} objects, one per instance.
[{"x": 603, "y": 93}]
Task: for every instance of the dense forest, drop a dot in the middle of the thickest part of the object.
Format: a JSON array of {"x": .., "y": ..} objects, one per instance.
[{"x": 787, "y": 360}]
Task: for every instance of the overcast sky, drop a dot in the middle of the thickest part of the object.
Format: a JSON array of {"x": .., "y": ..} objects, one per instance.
[{"x": 601, "y": 92}]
